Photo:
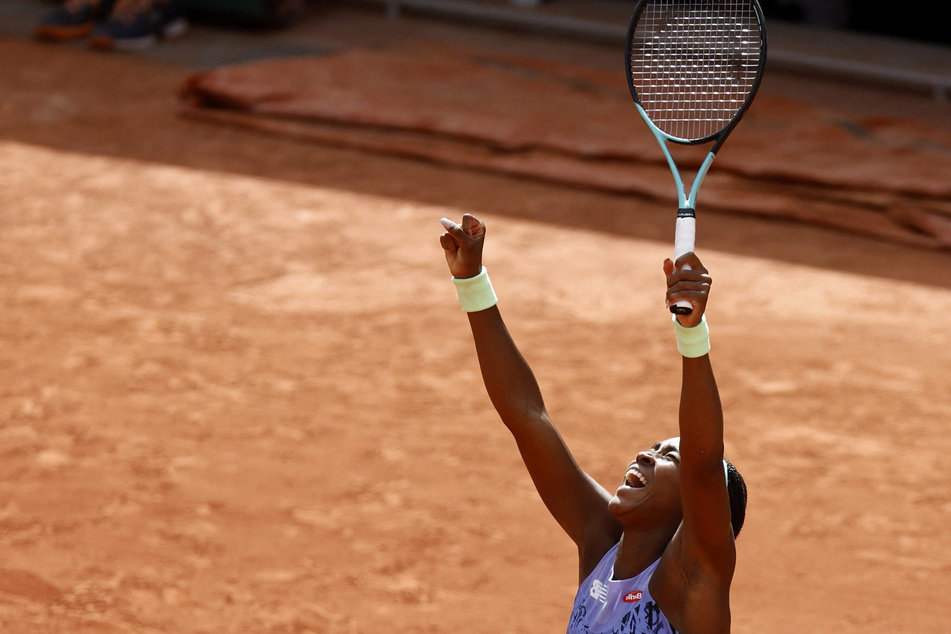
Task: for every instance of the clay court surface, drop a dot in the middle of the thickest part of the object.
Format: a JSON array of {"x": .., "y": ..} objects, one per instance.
[{"x": 238, "y": 394}]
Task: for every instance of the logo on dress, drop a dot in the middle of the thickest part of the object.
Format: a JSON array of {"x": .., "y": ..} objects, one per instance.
[
  {"x": 633, "y": 596},
  {"x": 599, "y": 591}
]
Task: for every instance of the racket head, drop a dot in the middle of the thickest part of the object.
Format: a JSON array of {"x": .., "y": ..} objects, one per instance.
[{"x": 694, "y": 66}]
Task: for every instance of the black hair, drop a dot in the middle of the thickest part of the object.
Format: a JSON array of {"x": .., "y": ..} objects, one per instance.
[{"x": 736, "y": 487}]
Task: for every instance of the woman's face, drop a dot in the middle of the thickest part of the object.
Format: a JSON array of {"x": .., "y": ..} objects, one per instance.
[{"x": 651, "y": 485}]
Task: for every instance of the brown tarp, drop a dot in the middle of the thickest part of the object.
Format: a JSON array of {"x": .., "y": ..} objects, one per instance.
[{"x": 576, "y": 125}]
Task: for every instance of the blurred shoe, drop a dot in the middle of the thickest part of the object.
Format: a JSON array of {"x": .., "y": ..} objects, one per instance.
[
  {"x": 73, "y": 19},
  {"x": 138, "y": 24}
]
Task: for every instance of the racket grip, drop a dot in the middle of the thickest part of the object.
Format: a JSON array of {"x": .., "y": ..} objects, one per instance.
[{"x": 685, "y": 238}]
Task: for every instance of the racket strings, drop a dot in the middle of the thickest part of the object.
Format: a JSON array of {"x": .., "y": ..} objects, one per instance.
[{"x": 694, "y": 63}]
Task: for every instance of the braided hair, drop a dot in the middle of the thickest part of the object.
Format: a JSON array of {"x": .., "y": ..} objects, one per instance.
[{"x": 736, "y": 487}]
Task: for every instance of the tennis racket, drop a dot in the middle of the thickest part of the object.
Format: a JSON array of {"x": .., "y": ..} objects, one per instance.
[{"x": 693, "y": 67}]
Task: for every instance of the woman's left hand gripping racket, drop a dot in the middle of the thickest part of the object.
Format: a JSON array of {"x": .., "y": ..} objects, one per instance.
[{"x": 693, "y": 67}]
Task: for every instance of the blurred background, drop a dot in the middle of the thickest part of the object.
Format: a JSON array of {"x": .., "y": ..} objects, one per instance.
[{"x": 236, "y": 391}]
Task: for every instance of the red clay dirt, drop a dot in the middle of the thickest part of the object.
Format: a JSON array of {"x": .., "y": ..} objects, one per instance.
[{"x": 239, "y": 396}]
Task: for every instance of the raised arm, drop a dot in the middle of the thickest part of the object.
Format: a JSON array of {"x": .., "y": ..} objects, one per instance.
[
  {"x": 703, "y": 548},
  {"x": 575, "y": 500}
]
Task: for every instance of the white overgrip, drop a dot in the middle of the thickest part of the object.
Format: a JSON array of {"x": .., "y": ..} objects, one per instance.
[
  {"x": 685, "y": 233},
  {"x": 685, "y": 237}
]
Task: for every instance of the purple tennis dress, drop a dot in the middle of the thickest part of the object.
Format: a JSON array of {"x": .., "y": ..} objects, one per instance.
[{"x": 606, "y": 606}]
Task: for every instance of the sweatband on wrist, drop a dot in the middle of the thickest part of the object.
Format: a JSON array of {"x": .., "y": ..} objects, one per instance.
[
  {"x": 692, "y": 342},
  {"x": 475, "y": 293}
]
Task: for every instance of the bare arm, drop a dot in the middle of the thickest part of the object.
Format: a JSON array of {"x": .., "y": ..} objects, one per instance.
[
  {"x": 576, "y": 501},
  {"x": 707, "y": 535},
  {"x": 701, "y": 558}
]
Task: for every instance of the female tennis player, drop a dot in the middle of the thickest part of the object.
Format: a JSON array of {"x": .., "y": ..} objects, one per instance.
[{"x": 657, "y": 556}]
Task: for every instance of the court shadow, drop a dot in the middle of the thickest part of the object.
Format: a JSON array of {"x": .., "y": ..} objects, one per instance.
[{"x": 79, "y": 101}]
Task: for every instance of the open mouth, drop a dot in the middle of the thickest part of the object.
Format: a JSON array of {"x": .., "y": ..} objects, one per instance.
[{"x": 635, "y": 479}]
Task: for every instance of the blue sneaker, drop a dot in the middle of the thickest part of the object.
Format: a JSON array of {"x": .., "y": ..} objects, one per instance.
[
  {"x": 73, "y": 19},
  {"x": 138, "y": 24}
]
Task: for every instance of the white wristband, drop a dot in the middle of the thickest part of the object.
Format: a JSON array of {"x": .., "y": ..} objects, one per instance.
[
  {"x": 475, "y": 293},
  {"x": 693, "y": 342}
]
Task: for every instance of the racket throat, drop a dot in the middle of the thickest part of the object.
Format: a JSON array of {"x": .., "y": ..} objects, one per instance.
[{"x": 685, "y": 233}]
